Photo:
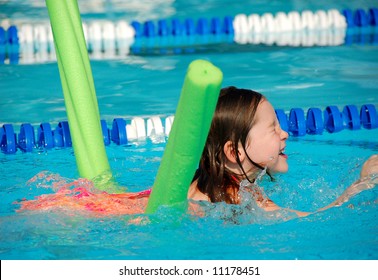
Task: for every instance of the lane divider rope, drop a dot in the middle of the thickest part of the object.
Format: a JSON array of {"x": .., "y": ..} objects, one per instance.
[
  {"x": 155, "y": 128},
  {"x": 107, "y": 40}
]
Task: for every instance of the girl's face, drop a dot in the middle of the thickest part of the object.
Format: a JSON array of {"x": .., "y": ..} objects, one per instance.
[{"x": 266, "y": 140}]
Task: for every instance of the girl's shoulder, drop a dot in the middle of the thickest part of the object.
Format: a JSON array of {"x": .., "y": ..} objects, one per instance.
[{"x": 195, "y": 194}]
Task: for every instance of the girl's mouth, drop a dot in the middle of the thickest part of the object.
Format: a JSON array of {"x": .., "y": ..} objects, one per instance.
[{"x": 282, "y": 154}]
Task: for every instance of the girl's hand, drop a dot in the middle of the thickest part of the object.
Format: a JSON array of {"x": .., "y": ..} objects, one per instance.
[{"x": 370, "y": 166}]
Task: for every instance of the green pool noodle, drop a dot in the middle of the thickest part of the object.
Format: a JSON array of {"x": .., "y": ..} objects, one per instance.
[
  {"x": 187, "y": 138},
  {"x": 78, "y": 89}
]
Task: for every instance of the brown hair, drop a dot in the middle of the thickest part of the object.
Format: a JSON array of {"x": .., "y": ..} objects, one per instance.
[{"x": 233, "y": 119}]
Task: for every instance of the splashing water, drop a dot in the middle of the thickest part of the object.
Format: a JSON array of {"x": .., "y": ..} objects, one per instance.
[
  {"x": 79, "y": 196},
  {"x": 72, "y": 196},
  {"x": 249, "y": 210},
  {"x": 363, "y": 184},
  {"x": 252, "y": 196}
]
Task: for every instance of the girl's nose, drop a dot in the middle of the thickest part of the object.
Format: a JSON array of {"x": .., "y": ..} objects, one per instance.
[{"x": 284, "y": 134}]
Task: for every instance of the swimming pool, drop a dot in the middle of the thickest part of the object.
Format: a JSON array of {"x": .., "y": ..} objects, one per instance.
[{"x": 321, "y": 166}]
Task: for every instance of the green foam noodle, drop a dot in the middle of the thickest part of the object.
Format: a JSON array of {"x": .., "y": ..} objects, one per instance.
[
  {"x": 78, "y": 89},
  {"x": 187, "y": 138}
]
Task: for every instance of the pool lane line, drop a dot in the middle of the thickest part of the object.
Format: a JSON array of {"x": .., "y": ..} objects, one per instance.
[
  {"x": 187, "y": 138},
  {"x": 78, "y": 89}
]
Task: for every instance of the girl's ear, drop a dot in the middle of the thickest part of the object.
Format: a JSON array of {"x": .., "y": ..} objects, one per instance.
[{"x": 230, "y": 152}]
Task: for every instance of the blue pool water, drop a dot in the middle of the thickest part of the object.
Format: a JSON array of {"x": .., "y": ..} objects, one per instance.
[{"x": 321, "y": 166}]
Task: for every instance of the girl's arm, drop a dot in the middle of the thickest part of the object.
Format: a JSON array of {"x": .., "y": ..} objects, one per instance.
[
  {"x": 269, "y": 205},
  {"x": 366, "y": 181},
  {"x": 264, "y": 202}
]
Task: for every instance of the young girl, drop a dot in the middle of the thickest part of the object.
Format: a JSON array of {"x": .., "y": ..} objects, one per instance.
[{"x": 246, "y": 139}]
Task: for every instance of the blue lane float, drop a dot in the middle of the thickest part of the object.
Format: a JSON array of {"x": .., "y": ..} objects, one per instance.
[
  {"x": 118, "y": 132},
  {"x": 296, "y": 122},
  {"x": 26, "y": 138},
  {"x": 351, "y": 117},
  {"x": 2, "y": 36},
  {"x": 314, "y": 121},
  {"x": 45, "y": 136},
  {"x": 333, "y": 119},
  {"x": 369, "y": 117},
  {"x": 105, "y": 132},
  {"x": 8, "y": 139}
]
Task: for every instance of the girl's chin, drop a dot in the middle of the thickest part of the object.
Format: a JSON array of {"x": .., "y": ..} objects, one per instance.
[
  {"x": 279, "y": 169},
  {"x": 285, "y": 171}
]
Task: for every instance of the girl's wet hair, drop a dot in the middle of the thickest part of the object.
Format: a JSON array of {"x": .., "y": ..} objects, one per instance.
[{"x": 233, "y": 119}]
